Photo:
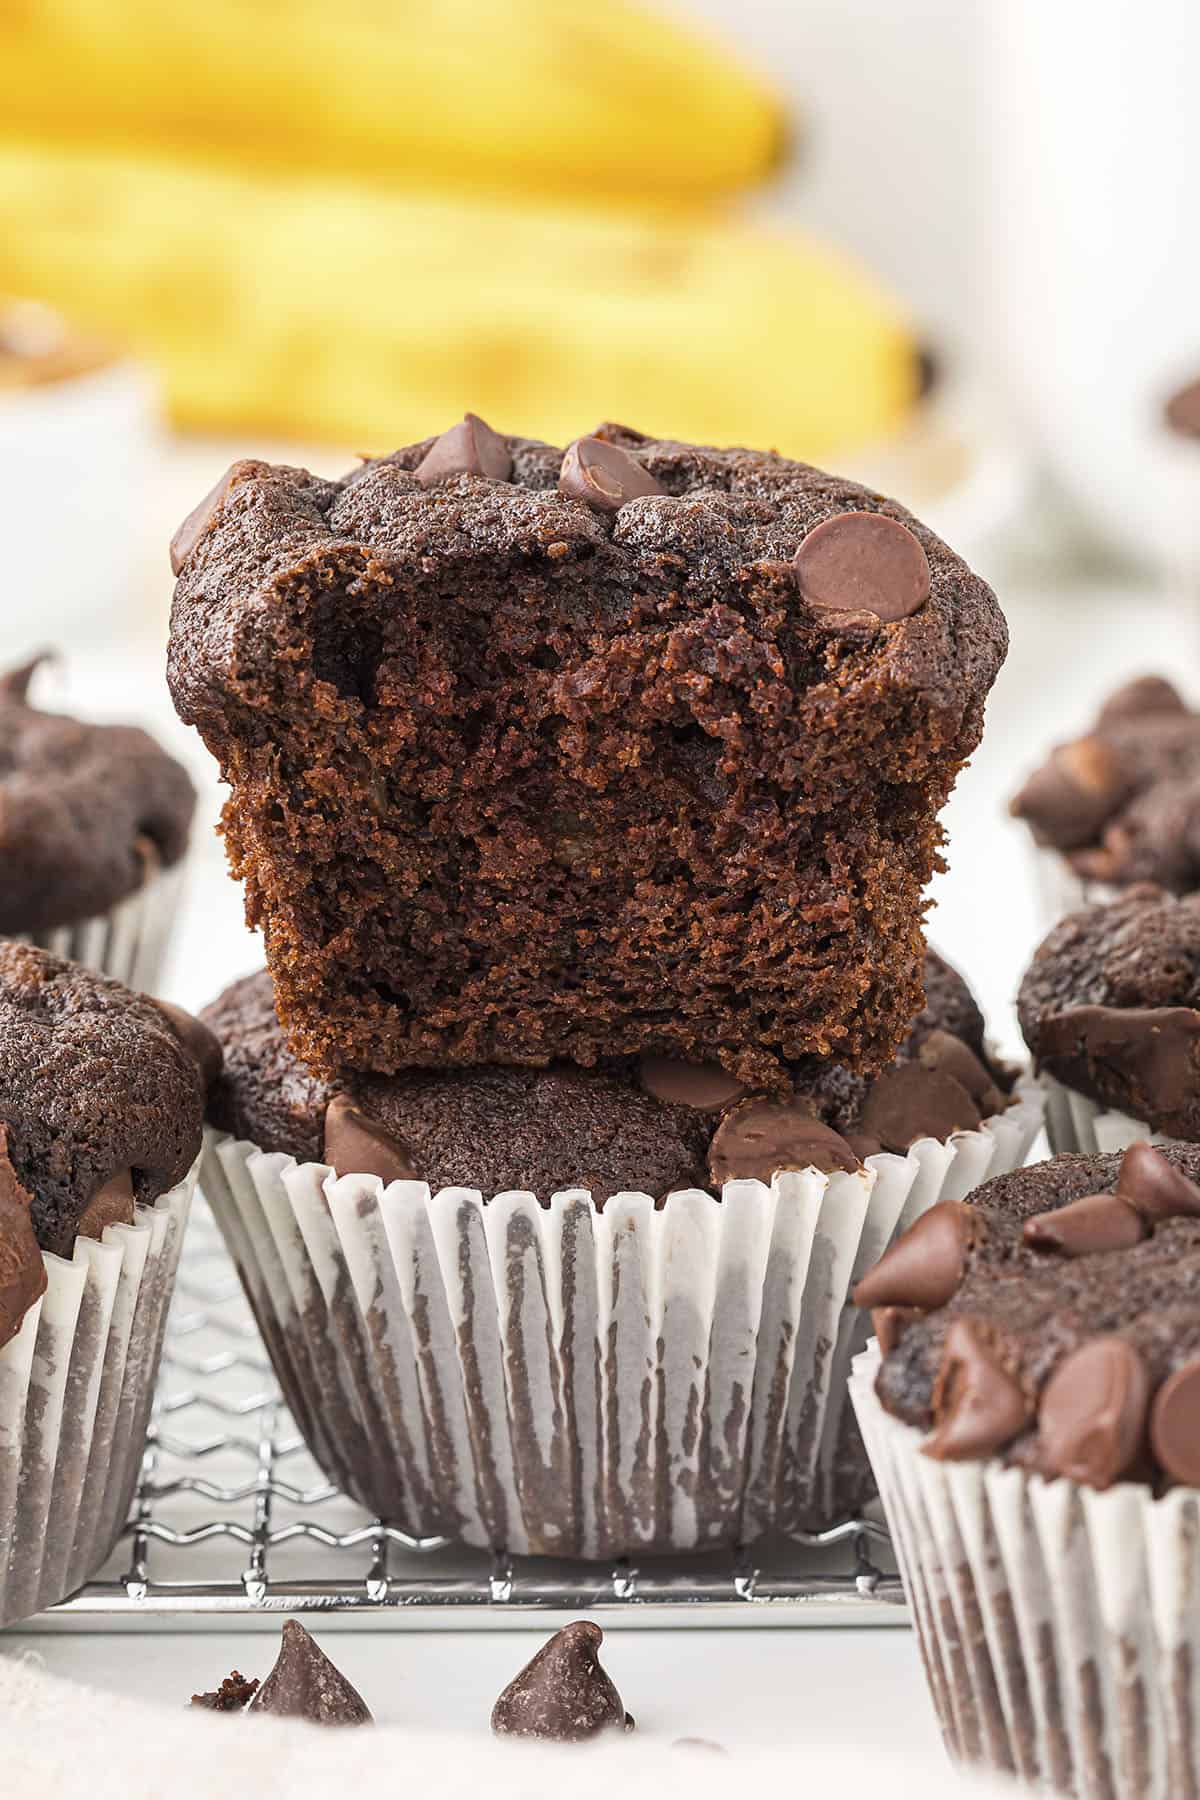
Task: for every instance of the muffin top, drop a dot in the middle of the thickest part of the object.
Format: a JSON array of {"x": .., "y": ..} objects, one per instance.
[
  {"x": 1110, "y": 1006},
  {"x": 1122, "y": 803},
  {"x": 86, "y": 812},
  {"x": 101, "y": 1105},
  {"x": 1053, "y": 1321},
  {"x": 652, "y": 1125}
]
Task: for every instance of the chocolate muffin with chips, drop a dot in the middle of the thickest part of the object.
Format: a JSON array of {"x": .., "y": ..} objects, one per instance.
[
  {"x": 101, "y": 1105},
  {"x": 650, "y": 1125},
  {"x": 1052, "y": 1320}
]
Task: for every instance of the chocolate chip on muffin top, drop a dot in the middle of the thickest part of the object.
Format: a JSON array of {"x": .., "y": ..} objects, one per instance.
[
  {"x": 1052, "y": 1320},
  {"x": 1110, "y": 1006},
  {"x": 101, "y": 1105},
  {"x": 87, "y": 812},
  {"x": 1122, "y": 803},
  {"x": 650, "y": 1125}
]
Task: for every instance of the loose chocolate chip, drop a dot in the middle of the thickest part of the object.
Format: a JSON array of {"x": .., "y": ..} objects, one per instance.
[
  {"x": 924, "y": 1267},
  {"x": 233, "y": 1695},
  {"x": 1084, "y": 1227},
  {"x": 358, "y": 1145},
  {"x": 863, "y": 562},
  {"x": 1175, "y": 1424},
  {"x": 706, "y": 1086},
  {"x": 978, "y": 1406},
  {"x": 1137, "y": 699},
  {"x": 890, "y": 1323},
  {"x": 909, "y": 1101},
  {"x": 1068, "y": 800},
  {"x": 562, "y": 1695},
  {"x": 305, "y": 1685},
  {"x": 469, "y": 448},
  {"x": 1156, "y": 1048},
  {"x": 1154, "y": 1187},
  {"x": 757, "y": 1138},
  {"x": 22, "y": 1271},
  {"x": 111, "y": 1204},
  {"x": 14, "y": 683},
  {"x": 1182, "y": 411},
  {"x": 603, "y": 475},
  {"x": 1092, "y": 1419},
  {"x": 202, "y": 1044},
  {"x": 201, "y": 517},
  {"x": 946, "y": 1054}
]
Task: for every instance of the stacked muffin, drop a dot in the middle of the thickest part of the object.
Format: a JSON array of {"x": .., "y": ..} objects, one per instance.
[{"x": 586, "y": 801}]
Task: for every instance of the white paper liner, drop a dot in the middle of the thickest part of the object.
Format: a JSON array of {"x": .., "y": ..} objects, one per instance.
[
  {"x": 129, "y": 942},
  {"x": 563, "y": 1380},
  {"x": 1060, "y": 890},
  {"x": 76, "y": 1384},
  {"x": 1060, "y": 1627},
  {"x": 1073, "y": 1122}
]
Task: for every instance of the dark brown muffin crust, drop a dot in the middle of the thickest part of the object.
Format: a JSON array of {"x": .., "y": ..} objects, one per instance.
[
  {"x": 87, "y": 812},
  {"x": 647, "y": 1126},
  {"x": 1110, "y": 1006},
  {"x": 1122, "y": 803},
  {"x": 518, "y": 777},
  {"x": 1041, "y": 1320},
  {"x": 96, "y": 1087}
]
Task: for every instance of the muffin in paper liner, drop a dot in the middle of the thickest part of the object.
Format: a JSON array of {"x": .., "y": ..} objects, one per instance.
[
  {"x": 129, "y": 941},
  {"x": 574, "y": 1380},
  {"x": 76, "y": 1386},
  {"x": 1073, "y": 1122},
  {"x": 1059, "y": 1625}
]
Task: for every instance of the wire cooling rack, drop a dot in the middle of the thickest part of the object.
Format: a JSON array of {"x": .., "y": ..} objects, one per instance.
[{"x": 233, "y": 1523}]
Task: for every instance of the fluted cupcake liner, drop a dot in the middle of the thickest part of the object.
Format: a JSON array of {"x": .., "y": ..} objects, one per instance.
[
  {"x": 129, "y": 942},
  {"x": 573, "y": 1380},
  {"x": 1073, "y": 1122},
  {"x": 1059, "y": 1626},
  {"x": 76, "y": 1385}
]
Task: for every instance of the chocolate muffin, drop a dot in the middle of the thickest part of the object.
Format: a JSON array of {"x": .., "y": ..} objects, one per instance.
[
  {"x": 87, "y": 812},
  {"x": 1122, "y": 803},
  {"x": 101, "y": 1105},
  {"x": 650, "y": 1125},
  {"x": 1110, "y": 1007},
  {"x": 636, "y": 749}
]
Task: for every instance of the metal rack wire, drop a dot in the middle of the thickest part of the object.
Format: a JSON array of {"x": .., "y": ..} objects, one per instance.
[{"x": 233, "y": 1523}]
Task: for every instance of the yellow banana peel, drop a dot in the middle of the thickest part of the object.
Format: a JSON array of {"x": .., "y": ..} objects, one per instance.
[
  {"x": 337, "y": 312},
  {"x": 587, "y": 101}
]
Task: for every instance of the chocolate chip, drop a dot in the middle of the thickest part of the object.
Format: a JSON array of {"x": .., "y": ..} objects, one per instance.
[
  {"x": 201, "y": 1044},
  {"x": 111, "y": 1204},
  {"x": 1154, "y": 1048},
  {"x": 233, "y": 1695},
  {"x": 1138, "y": 699},
  {"x": 924, "y": 1268},
  {"x": 1154, "y": 1187},
  {"x": 1182, "y": 411},
  {"x": 706, "y": 1086},
  {"x": 562, "y": 1695},
  {"x": 757, "y": 1138},
  {"x": 356, "y": 1144},
  {"x": 978, "y": 1406},
  {"x": 201, "y": 517},
  {"x": 908, "y": 1102},
  {"x": 603, "y": 475},
  {"x": 14, "y": 683},
  {"x": 1175, "y": 1424},
  {"x": 1092, "y": 1419},
  {"x": 469, "y": 448},
  {"x": 305, "y": 1685},
  {"x": 1087, "y": 1226},
  {"x": 1073, "y": 794},
  {"x": 946, "y": 1054},
  {"x": 863, "y": 562},
  {"x": 890, "y": 1323},
  {"x": 22, "y": 1270}
]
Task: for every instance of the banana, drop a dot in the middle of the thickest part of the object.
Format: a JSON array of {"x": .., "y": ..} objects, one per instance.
[
  {"x": 586, "y": 101},
  {"x": 328, "y": 311}
]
